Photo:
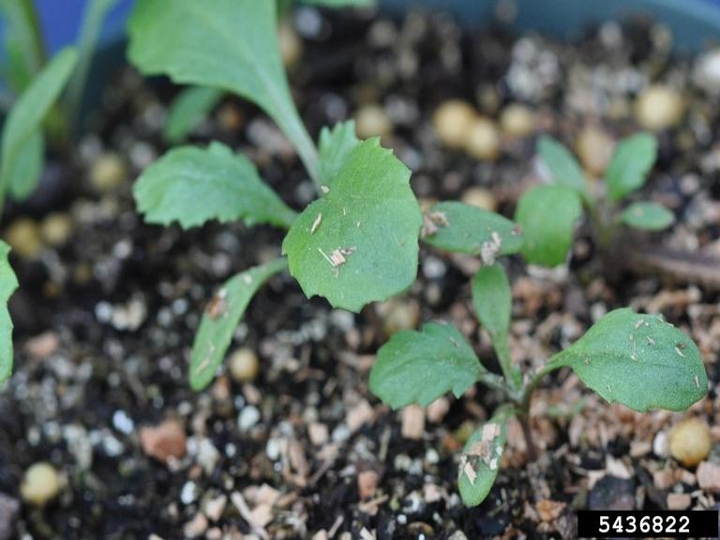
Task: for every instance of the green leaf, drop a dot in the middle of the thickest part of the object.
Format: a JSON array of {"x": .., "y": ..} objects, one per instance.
[
  {"x": 341, "y": 3},
  {"x": 638, "y": 360},
  {"x": 419, "y": 367},
  {"x": 335, "y": 146},
  {"x": 563, "y": 166},
  {"x": 230, "y": 45},
  {"x": 481, "y": 457},
  {"x": 647, "y": 216},
  {"x": 23, "y": 40},
  {"x": 25, "y": 174},
  {"x": 492, "y": 298},
  {"x": 359, "y": 242},
  {"x": 547, "y": 215},
  {"x": 463, "y": 228},
  {"x": 632, "y": 160},
  {"x": 187, "y": 109},
  {"x": 221, "y": 318},
  {"x": 8, "y": 284},
  {"x": 193, "y": 185},
  {"x": 27, "y": 114}
]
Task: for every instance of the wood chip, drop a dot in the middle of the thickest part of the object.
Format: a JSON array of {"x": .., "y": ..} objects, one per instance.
[
  {"x": 664, "y": 479},
  {"x": 549, "y": 510},
  {"x": 678, "y": 501},
  {"x": 640, "y": 448},
  {"x": 413, "y": 422},
  {"x": 437, "y": 410},
  {"x": 708, "y": 476},
  {"x": 165, "y": 441},
  {"x": 361, "y": 413}
]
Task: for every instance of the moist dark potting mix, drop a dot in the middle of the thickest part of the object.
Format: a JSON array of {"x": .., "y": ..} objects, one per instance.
[{"x": 102, "y": 437}]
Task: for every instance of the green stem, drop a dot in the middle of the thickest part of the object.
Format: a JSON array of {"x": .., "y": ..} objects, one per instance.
[
  {"x": 502, "y": 349},
  {"x": 289, "y": 121},
  {"x": 24, "y": 25}
]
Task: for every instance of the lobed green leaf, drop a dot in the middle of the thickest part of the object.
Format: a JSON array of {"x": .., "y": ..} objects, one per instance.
[
  {"x": 638, "y": 360},
  {"x": 547, "y": 215},
  {"x": 192, "y": 185},
  {"x": 335, "y": 147},
  {"x": 633, "y": 158},
  {"x": 25, "y": 117},
  {"x": 8, "y": 284},
  {"x": 647, "y": 216},
  {"x": 419, "y": 367},
  {"x": 463, "y": 228},
  {"x": 221, "y": 318},
  {"x": 358, "y": 243},
  {"x": 231, "y": 45},
  {"x": 188, "y": 109},
  {"x": 481, "y": 458},
  {"x": 563, "y": 166}
]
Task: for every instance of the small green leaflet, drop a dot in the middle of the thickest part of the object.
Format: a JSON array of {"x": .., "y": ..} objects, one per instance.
[
  {"x": 335, "y": 146},
  {"x": 26, "y": 116},
  {"x": 419, "y": 367},
  {"x": 638, "y": 360},
  {"x": 8, "y": 284},
  {"x": 647, "y": 216},
  {"x": 358, "y": 243},
  {"x": 231, "y": 45},
  {"x": 563, "y": 166},
  {"x": 188, "y": 109},
  {"x": 221, "y": 317},
  {"x": 25, "y": 174},
  {"x": 192, "y": 185},
  {"x": 458, "y": 227},
  {"x": 632, "y": 160},
  {"x": 547, "y": 215},
  {"x": 481, "y": 457},
  {"x": 492, "y": 298}
]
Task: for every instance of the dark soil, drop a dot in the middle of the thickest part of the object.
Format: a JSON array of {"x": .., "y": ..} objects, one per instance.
[{"x": 122, "y": 301}]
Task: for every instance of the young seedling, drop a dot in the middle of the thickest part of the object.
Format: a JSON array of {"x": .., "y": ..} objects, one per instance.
[
  {"x": 548, "y": 213},
  {"x": 635, "y": 359},
  {"x": 357, "y": 243}
]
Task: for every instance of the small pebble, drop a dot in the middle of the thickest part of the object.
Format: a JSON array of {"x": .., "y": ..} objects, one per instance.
[
  {"x": 371, "y": 120},
  {"x": 678, "y": 501},
  {"x": 108, "y": 172},
  {"x": 517, "y": 121},
  {"x": 197, "y": 526},
  {"x": 291, "y": 46},
  {"x": 318, "y": 433},
  {"x": 9, "y": 510},
  {"x": 367, "y": 482},
  {"x": 480, "y": 197},
  {"x": 707, "y": 72},
  {"x": 214, "y": 508},
  {"x": 594, "y": 147},
  {"x": 483, "y": 139},
  {"x": 452, "y": 122},
  {"x": 243, "y": 365},
  {"x": 690, "y": 441},
  {"x": 40, "y": 484},
  {"x": 24, "y": 238},
  {"x": 413, "y": 422},
  {"x": 398, "y": 314},
  {"x": 708, "y": 476},
  {"x": 56, "y": 228},
  {"x": 165, "y": 441},
  {"x": 248, "y": 417},
  {"x": 659, "y": 107}
]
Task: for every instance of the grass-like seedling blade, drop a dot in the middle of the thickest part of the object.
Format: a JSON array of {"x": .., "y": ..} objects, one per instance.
[
  {"x": 27, "y": 167},
  {"x": 462, "y": 228},
  {"x": 632, "y": 160},
  {"x": 26, "y": 116},
  {"x": 647, "y": 216},
  {"x": 547, "y": 215},
  {"x": 358, "y": 243},
  {"x": 419, "y": 367},
  {"x": 222, "y": 315},
  {"x": 638, "y": 360},
  {"x": 481, "y": 457},
  {"x": 192, "y": 185},
  {"x": 8, "y": 284}
]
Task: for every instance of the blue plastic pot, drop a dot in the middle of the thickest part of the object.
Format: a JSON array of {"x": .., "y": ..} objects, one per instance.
[{"x": 694, "y": 23}]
